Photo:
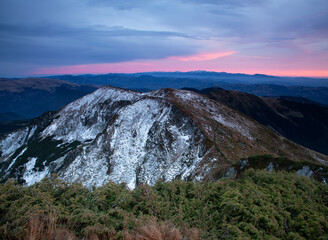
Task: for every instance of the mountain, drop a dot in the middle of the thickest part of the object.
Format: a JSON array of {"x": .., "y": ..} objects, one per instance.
[
  {"x": 204, "y": 77},
  {"x": 261, "y": 85},
  {"x": 31, "y": 97},
  {"x": 315, "y": 94},
  {"x": 297, "y": 119},
  {"x": 126, "y": 136}
]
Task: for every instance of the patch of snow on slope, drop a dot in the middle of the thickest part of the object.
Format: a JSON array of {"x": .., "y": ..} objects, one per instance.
[
  {"x": 85, "y": 118},
  {"x": 160, "y": 93},
  {"x": 317, "y": 157},
  {"x": 13, "y": 141},
  {"x": 232, "y": 123},
  {"x": 90, "y": 167},
  {"x": 32, "y": 131},
  {"x": 31, "y": 176},
  {"x": 130, "y": 136},
  {"x": 190, "y": 96},
  {"x": 13, "y": 161},
  {"x": 172, "y": 150},
  {"x": 188, "y": 170},
  {"x": 206, "y": 169},
  {"x": 206, "y": 104},
  {"x": 101, "y": 95},
  {"x": 179, "y": 146}
]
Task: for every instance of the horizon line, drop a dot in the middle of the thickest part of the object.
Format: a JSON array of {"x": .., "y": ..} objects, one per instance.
[{"x": 129, "y": 73}]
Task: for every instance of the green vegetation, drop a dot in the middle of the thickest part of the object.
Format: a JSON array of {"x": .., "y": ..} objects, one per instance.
[
  {"x": 260, "y": 205},
  {"x": 318, "y": 172}
]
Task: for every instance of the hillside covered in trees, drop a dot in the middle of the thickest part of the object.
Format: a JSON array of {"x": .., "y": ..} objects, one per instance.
[{"x": 259, "y": 205}]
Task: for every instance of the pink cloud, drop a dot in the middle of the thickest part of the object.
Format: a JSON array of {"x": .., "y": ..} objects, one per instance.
[{"x": 202, "y": 56}]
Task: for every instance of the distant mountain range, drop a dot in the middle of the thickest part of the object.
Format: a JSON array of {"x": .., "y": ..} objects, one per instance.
[
  {"x": 205, "y": 77},
  {"x": 261, "y": 85},
  {"x": 126, "y": 136},
  {"x": 30, "y": 97}
]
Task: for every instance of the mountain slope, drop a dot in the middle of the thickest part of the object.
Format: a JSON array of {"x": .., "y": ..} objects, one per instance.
[
  {"x": 126, "y": 136},
  {"x": 30, "y": 97},
  {"x": 302, "y": 122}
]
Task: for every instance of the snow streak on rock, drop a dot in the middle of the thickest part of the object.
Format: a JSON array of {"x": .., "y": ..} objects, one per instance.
[
  {"x": 13, "y": 141},
  {"x": 14, "y": 160}
]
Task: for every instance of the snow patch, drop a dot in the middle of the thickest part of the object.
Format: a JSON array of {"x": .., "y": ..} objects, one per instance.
[
  {"x": 129, "y": 138},
  {"x": 32, "y": 131},
  {"x": 234, "y": 125},
  {"x": 86, "y": 117},
  {"x": 190, "y": 96},
  {"x": 13, "y": 141},
  {"x": 203, "y": 103},
  {"x": 14, "y": 160},
  {"x": 30, "y": 175},
  {"x": 89, "y": 167}
]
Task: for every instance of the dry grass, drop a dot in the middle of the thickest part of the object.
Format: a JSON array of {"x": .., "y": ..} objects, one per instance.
[
  {"x": 43, "y": 227},
  {"x": 99, "y": 232},
  {"x": 152, "y": 230}
]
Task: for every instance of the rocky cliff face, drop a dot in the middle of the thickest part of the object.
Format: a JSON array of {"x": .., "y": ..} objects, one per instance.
[{"x": 125, "y": 136}]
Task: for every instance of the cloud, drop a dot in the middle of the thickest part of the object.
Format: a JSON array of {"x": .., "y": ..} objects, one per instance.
[
  {"x": 58, "y": 45},
  {"x": 202, "y": 56},
  {"x": 77, "y": 32}
]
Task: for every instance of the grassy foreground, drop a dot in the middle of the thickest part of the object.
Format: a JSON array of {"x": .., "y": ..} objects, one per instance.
[{"x": 260, "y": 205}]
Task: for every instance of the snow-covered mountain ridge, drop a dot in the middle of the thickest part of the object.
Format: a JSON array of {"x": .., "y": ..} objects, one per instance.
[{"x": 125, "y": 136}]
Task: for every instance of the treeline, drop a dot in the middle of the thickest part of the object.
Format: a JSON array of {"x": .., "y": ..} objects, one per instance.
[{"x": 260, "y": 205}]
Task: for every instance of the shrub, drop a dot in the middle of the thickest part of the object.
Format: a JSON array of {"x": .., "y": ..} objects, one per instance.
[{"x": 260, "y": 205}]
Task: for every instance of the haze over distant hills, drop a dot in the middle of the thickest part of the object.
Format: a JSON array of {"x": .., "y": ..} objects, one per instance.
[
  {"x": 31, "y": 97},
  {"x": 258, "y": 84},
  {"x": 205, "y": 77}
]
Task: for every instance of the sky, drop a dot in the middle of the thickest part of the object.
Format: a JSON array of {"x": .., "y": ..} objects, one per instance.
[{"x": 274, "y": 37}]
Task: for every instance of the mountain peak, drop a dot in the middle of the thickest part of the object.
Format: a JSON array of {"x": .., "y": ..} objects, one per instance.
[{"x": 126, "y": 136}]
